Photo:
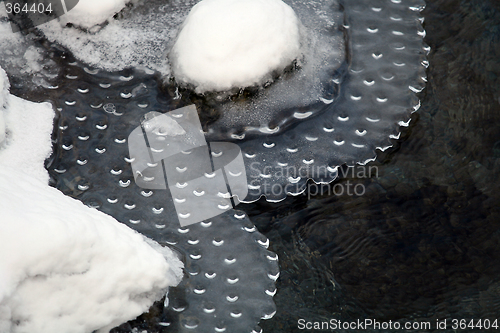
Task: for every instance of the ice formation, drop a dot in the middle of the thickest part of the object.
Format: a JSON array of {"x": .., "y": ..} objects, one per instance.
[
  {"x": 23, "y": 58},
  {"x": 377, "y": 95},
  {"x": 139, "y": 40},
  {"x": 316, "y": 78},
  {"x": 228, "y": 44},
  {"x": 64, "y": 266}
]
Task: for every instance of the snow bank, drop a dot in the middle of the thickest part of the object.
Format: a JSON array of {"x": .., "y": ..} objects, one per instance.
[
  {"x": 65, "y": 267},
  {"x": 235, "y": 43},
  {"x": 140, "y": 39},
  {"x": 88, "y": 13},
  {"x": 28, "y": 127}
]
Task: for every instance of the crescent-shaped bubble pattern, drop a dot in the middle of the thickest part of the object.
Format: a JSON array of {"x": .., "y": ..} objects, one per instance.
[
  {"x": 230, "y": 276},
  {"x": 386, "y": 70}
]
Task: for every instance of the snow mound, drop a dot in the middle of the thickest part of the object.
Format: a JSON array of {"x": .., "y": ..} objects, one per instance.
[
  {"x": 235, "y": 43},
  {"x": 88, "y": 13},
  {"x": 67, "y": 267}
]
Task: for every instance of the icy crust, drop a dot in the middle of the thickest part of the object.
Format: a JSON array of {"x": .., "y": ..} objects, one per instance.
[
  {"x": 231, "y": 273},
  {"x": 141, "y": 38},
  {"x": 66, "y": 266},
  {"x": 298, "y": 95},
  {"x": 88, "y": 13},
  {"x": 386, "y": 71},
  {"x": 228, "y": 44}
]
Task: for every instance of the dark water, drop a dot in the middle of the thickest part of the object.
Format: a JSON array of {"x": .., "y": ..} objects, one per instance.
[{"x": 422, "y": 244}]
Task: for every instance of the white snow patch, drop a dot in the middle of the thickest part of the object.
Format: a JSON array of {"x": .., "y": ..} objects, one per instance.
[
  {"x": 235, "y": 43},
  {"x": 322, "y": 46},
  {"x": 88, "y": 13},
  {"x": 67, "y": 267},
  {"x": 28, "y": 127}
]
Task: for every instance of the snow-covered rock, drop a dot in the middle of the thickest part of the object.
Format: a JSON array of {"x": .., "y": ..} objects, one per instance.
[
  {"x": 65, "y": 267},
  {"x": 225, "y": 44}
]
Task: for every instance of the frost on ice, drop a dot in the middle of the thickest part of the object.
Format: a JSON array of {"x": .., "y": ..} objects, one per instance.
[
  {"x": 139, "y": 40},
  {"x": 235, "y": 43},
  {"x": 88, "y": 13},
  {"x": 24, "y": 59},
  {"x": 64, "y": 267}
]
